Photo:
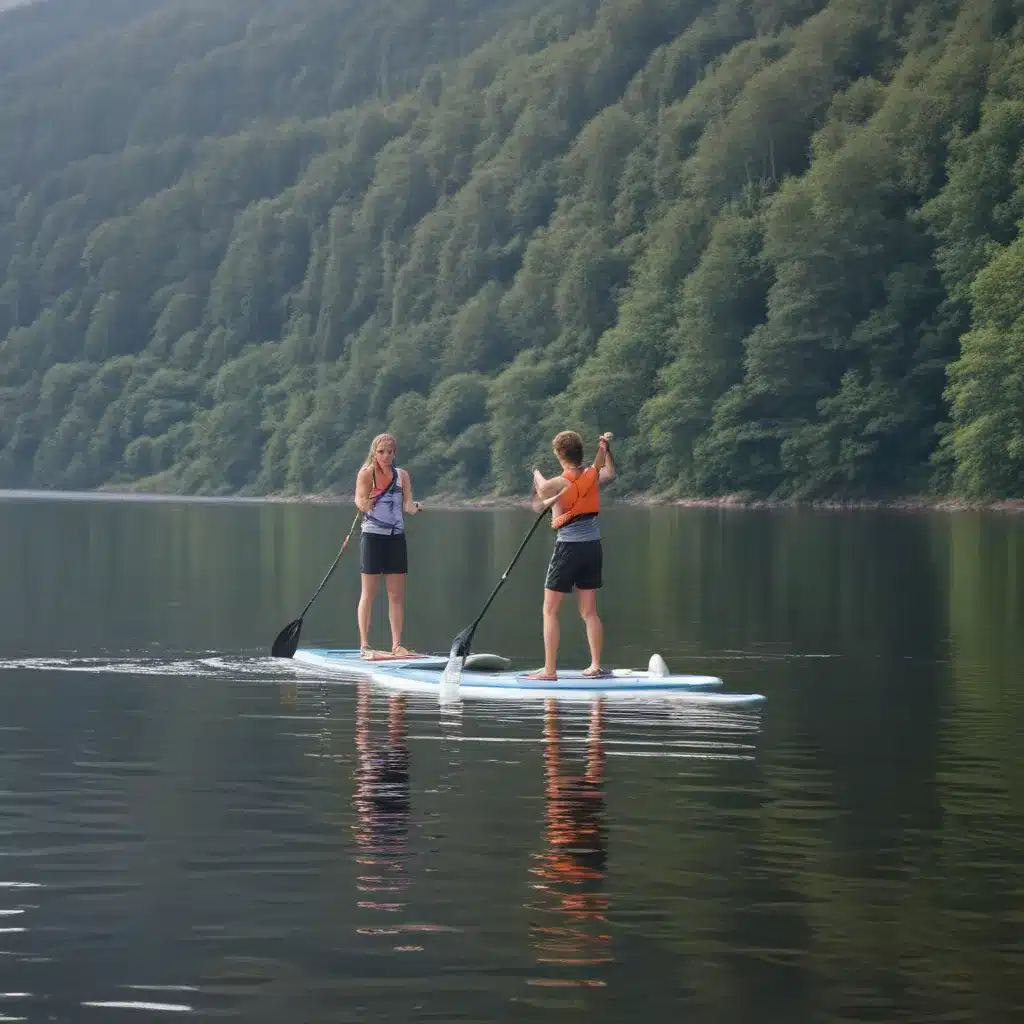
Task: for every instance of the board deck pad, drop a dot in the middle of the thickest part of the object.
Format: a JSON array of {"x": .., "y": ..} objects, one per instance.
[
  {"x": 371, "y": 655},
  {"x": 490, "y": 675}
]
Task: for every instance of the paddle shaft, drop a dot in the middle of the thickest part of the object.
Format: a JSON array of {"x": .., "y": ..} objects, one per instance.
[
  {"x": 504, "y": 576},
  {"x": 334, "y": 565}
]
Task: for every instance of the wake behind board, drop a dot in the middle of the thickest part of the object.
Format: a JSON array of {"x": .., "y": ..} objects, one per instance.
[{"x": 489, "y": 675}]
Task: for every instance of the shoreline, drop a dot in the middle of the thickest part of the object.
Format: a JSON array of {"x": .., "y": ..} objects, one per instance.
[
  {"x": 918, "y": 503},
  {"x": 742, "y": 503},
  {"x": 488, "y": 502}
]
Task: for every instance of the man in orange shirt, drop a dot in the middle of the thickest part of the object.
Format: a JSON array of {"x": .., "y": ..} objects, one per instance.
[{"x": 577, "y": 558}]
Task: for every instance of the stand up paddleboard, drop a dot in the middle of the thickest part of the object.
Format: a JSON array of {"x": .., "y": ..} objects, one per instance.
[{"x": 489, "y": 675}]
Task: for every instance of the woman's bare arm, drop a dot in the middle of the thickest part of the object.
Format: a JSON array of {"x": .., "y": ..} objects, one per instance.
[
  {"x": 408, "y": 505},
  {"x": 364, "y": 483}
]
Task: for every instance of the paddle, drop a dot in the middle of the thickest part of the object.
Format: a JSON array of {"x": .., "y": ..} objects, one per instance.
[
  {"x": 288, "y": 639},
  {"x": 461, "y": 644}
]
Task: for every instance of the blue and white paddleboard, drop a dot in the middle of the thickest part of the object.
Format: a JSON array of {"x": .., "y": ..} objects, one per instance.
[{"x": 489, "y": 675}]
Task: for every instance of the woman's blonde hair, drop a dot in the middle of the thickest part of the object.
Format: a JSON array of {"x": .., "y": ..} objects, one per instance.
[{"x": 371, "y": 455}]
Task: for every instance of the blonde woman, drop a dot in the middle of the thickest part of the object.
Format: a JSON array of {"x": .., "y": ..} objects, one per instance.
[{"x": 384, "y": 496}]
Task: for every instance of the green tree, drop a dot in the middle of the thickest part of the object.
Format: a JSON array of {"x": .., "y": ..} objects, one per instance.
[
  {"x": 238, "y": 238},
  {"x": 986, "y": 384}
]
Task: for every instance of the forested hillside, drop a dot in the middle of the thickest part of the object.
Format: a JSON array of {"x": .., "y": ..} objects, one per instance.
[{"x": 775, "y": 245}]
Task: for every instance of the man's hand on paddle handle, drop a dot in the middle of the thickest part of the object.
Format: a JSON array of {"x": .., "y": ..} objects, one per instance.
[
  {"x": 603, "y": 462},
  {"x": 536, "y": 501}
]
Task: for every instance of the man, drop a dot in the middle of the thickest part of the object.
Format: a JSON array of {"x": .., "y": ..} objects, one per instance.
[{"x": 576, "y": 560}]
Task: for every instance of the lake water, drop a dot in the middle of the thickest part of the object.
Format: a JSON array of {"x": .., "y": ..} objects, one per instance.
[{"x": 188, "y": 827}]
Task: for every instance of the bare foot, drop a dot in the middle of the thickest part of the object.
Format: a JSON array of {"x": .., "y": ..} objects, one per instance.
[{"x": 541, "y": 674}]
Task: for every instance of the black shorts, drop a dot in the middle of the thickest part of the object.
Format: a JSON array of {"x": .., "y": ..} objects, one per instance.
[
  {"x": 383, "y": 553},
  {"x": 574, "y": 564}
]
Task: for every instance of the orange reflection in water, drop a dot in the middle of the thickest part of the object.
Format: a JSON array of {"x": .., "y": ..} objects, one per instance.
[{"x": 570, "y": 902}]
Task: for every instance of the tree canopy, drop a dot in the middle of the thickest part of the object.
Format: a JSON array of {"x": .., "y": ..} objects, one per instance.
[{"x": 775, "y": 245}]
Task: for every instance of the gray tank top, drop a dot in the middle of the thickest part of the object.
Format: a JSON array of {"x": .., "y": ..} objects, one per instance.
[{"x": 387, "y": 516}]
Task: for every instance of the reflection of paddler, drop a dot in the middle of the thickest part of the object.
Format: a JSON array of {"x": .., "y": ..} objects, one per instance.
[
  {"x": 571, "y": 871},
  {"x": 382, "y": 798}
]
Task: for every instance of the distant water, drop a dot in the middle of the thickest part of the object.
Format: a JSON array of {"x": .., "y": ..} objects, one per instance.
[{"x": 189, "y": 828}]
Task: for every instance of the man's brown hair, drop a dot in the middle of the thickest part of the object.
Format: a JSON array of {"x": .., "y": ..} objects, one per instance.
[{"x": 568, "y": 445}]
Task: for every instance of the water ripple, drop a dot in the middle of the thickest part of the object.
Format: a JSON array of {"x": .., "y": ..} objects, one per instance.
[{"x": 272, "y": 848}]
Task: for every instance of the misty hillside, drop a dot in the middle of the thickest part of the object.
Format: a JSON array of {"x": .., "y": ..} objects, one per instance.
[{"x": 775, "y": 246}]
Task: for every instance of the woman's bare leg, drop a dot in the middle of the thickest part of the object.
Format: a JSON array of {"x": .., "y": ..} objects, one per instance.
[
  {"x": 396, "y": 607},
  {"x": 371, "y": 584}
]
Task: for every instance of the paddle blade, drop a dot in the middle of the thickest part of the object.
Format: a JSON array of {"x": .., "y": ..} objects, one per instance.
[
  {"x": 461, "y": 644},
  {"x": 287, "y": 641},
  {"x": 452, "y": 674}
]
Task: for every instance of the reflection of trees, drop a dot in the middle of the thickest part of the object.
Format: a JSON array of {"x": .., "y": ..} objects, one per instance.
[
  {"x": 973, "y": 930},
  {"x": 893, "y": 890},
  {"x": 382, "y": 803},
  {"x": 570, "y": 904}
]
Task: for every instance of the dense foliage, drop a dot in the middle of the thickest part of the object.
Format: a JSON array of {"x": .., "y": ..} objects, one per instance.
[{"x": 775, "y": 245}]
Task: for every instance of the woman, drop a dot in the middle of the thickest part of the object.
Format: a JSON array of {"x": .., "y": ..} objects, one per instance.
[{"x": 384, "y": 496}]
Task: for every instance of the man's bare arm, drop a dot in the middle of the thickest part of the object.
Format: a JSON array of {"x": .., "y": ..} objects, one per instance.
[
  {"x": 549, "y": 488},
  {"x": 603, "y": 460},
  {"x": 546, "y": 492}
]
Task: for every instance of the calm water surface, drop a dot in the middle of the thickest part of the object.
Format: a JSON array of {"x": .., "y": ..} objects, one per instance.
[{"x": 189, "y": 828}]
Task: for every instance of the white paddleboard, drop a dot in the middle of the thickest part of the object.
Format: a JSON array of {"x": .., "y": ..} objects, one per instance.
[{"x": 489, "y": 675}]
